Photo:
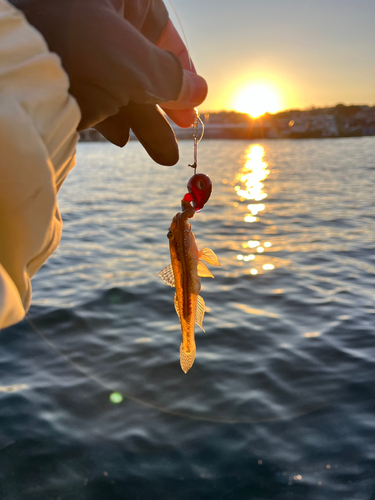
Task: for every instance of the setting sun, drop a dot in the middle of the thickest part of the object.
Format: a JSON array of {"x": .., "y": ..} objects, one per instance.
[{"x": 257, "y": 100}]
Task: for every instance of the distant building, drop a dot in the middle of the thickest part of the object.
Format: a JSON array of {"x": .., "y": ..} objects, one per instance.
[{"x": 306, "y": 125}]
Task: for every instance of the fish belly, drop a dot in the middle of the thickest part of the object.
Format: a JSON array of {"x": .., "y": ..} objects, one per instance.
[{"x": 188, "y": 348}]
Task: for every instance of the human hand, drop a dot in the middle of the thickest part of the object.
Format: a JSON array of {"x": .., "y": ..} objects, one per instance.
[{"x": 119, "y": 69}]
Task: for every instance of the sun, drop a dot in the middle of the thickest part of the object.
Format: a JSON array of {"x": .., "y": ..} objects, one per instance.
[{"x": 257, "y": 100}]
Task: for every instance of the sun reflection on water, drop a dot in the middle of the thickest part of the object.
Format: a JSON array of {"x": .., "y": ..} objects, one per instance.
[
  {"x": 249, "y": 186},
  {"x": 254, "y": 171}
]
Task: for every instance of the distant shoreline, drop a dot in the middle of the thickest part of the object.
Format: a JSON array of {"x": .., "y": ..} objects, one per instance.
[{"x": 323, "y": 123}]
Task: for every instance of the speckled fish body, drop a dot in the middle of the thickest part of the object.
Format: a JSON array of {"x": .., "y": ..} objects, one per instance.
[
  {"x": 184, "y": 259},
  {"x": 184, "y": 273}
]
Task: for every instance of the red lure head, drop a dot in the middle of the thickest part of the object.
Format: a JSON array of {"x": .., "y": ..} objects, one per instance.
[{"x": 200, "y": 187}]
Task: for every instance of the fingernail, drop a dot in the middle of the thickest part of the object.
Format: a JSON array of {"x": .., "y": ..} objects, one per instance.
[{"x": 198, "y": 89}]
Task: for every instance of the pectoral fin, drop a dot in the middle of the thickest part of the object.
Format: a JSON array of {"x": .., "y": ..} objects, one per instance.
[
  {"x": 209, "y": 256},
  {"x": 200, "y": 312},
  {"x": 203, "y": 271},
  {"x": 167, "y": 275}
]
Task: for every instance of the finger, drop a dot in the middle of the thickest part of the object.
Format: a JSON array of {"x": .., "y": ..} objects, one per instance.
[
  {"x": 193, "y": 93},
  {"x": 170, "y": 40},
  {"x": 184, "y": 118},
  {"x": 194, "y": 87},
  {"x": 116, "y": 128},
  {"x": 153, "y": 132},
  {"x": 149, "y": 126}
]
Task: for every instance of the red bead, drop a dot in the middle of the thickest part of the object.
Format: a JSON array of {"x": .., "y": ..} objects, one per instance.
[
  {"x": 188, "y": 197},
  {"x": 200, "y": 186}
]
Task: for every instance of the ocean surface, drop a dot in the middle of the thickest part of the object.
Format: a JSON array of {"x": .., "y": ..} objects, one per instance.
[{"x": 280, "y": 402}]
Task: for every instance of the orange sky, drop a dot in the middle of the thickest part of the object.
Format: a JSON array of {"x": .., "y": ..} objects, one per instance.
[{"x": 309, "y": 53}]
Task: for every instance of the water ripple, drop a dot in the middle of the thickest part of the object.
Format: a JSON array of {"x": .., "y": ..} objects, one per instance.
[{"x": 279, "y": 403}]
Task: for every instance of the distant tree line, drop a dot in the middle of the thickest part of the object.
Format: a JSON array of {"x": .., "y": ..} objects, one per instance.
[{"x": 340, "y": 111}]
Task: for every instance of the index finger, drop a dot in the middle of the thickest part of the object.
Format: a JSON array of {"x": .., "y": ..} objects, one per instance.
[
  {"x": 194, "y": 88},
  {"x": 170, "y": 40}
]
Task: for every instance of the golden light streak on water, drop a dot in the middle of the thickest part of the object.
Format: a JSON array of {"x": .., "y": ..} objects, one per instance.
[
  {"x": 251, "y": 218},
  {"x": 249, "y": 257},
  {"x": 268, "y": 267},
  {"x": 256, "y": 208},
  {"x": 249, "y": 185},
  {"x": 13, "y": 388},
  {"x": 251, "y": 176},
  {"x": 257, "y": 312},
  {"x": 311, "y": 334},
  {"x": 253, "y": 243}
]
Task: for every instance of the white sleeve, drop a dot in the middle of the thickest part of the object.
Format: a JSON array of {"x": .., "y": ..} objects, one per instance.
[{"x": 38, "y": 121}]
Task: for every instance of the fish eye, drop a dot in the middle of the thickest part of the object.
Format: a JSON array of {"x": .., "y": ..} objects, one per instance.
[
  {"x": 169, "y": 235},
  {"x": 202, "y": 185}
]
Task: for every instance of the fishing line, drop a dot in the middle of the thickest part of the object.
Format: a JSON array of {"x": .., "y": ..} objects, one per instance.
[
  {"x": 197, "y": 118},
  {"x": 175, "y": 413},
  {"x": 183, "y": 33},
  {"x": 197, "y": 121}
]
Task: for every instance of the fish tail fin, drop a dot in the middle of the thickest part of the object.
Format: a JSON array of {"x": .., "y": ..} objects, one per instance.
[{"x": 187, "y": 358}]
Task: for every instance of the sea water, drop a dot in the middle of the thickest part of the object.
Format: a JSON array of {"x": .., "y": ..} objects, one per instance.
[{"x": 280, "y": 401}]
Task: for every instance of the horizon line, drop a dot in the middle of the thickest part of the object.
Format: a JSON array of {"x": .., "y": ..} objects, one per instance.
[{"x": 286, "y": 110}]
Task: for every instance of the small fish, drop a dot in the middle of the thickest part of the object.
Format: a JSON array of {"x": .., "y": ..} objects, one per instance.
[{"x": 184, "y": 273}]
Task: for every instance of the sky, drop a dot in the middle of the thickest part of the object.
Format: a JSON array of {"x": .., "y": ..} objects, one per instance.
[{"x": 300, "y": 53}]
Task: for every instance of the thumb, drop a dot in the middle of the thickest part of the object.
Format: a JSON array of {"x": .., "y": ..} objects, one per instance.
[{"x": 193, "y": 93}]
